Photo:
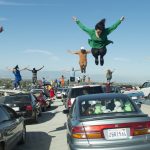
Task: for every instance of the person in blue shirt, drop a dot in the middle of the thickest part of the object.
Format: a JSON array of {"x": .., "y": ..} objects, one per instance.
[{"x": 18, "y": 77}]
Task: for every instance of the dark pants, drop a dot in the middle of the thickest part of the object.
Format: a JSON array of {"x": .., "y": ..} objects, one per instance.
[{"x": 99, "y": 52}]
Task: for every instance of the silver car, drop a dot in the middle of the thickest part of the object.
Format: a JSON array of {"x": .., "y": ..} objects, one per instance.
[{"x": 107, "y": 121}]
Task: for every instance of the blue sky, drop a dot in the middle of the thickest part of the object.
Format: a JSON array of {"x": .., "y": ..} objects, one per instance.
[{"x": 39, "y": 32}]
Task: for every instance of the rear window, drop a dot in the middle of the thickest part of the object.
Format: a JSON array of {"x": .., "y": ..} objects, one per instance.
[
  {"x": 19, "y": 98},
  {"x": 85, "y": 90},
  {"x": 104, "y": 106}
]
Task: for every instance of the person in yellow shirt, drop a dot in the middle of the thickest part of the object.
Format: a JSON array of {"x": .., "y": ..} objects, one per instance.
[{"x": 82, "y": 53}]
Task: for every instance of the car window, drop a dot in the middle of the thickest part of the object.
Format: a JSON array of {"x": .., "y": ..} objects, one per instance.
[
  {"x": 18, "y": 98},
  {"x": 11, "y": 112},
  {"x": 73, "y": 110},
  {"x": 103, "y": 106},
  {"x": 144, "y": 85},
  {"x": 3, "y": 115},
  {"x": 85, "y": 90}
]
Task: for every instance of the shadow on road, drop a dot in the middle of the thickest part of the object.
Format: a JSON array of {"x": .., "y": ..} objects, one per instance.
[
  {"x": 59, "y": 128},
  {"x": 36, "y": 141}
]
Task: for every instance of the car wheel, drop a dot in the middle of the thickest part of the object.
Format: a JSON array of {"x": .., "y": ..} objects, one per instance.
[
  {"x": 1, "y": 146},
  {"x": 35, "y": 117},
  {"x": 23, "y": 138}
]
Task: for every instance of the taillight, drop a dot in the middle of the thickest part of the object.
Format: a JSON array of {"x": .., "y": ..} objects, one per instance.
[
  {"x": 69, "y": 103},
  {"x": 90, "y": 132},
  {"x": 142, "y": 128},
  {"x": 29, "y": 107}
]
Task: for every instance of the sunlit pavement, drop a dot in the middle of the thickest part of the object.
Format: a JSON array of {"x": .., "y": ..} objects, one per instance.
[{"x": 49, "y": 133}]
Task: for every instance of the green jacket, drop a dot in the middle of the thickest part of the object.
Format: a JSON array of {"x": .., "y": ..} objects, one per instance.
[{"x": 102, "y": 41}]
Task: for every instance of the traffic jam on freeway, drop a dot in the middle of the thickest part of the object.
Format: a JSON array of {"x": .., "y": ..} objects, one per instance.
[{"x": 75, "y": 117}]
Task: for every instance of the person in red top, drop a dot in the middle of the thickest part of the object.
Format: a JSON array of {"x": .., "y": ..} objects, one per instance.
[{"x": 51, "y": 93}]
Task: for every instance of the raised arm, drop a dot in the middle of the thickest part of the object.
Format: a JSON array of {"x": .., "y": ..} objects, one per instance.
[
  {"x": 73, "y": 52},
  {"x": 40, "y": 68},
  {"x": 28, "y": 69},
  {"x": 23, "y": 69},
  {"x": 9, "y": 69},
  {"x": 114, "y": 26},
  {"x": 83, "y": 27},
  {"x": 88, "y": 51}
]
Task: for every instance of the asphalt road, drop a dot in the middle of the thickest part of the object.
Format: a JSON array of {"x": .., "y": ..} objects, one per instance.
[{"x": 50, "y": 132}]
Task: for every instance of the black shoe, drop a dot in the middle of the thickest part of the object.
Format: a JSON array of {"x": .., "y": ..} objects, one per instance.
[
  {"x": 101, "y": 61},
  {"x": 96, "y": 61}
]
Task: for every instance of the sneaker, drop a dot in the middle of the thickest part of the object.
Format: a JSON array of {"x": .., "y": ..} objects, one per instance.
[
  {"x": 96, "y": 61},
  {"x": 101, "y": 61}
]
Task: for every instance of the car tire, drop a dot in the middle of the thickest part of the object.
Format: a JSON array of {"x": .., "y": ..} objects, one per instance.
[
  {"x": 23, "y": 138},
  {"x": 35, "y": 118},
  {"x": 2, "y": 146}
]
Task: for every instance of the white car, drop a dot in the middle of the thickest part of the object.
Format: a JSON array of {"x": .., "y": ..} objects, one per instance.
[
  {"x": 145, "y": 88},
  {"x": 79, "y": 90}
]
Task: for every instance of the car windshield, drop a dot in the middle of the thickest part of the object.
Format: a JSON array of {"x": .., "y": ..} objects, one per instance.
[
  {"x": 103, "y": 106},
  {"x": 85, "y": 90}
]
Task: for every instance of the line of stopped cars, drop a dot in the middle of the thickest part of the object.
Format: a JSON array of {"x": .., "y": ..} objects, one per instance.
[
  {"x": 16, "y": 110},
  {"x": 105, "y": 121}
]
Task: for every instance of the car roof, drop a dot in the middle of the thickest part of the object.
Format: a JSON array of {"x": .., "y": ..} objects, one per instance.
[
  {"x": 82, "y": 86},
  {"x": 102, "y": 95}
]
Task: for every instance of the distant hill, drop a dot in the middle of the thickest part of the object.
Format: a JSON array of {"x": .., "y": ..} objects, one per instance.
[{"x": 52, "y": 75}]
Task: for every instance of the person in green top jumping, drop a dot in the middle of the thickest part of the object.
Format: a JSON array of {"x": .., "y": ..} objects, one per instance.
[{"x": 98, "y": 36}]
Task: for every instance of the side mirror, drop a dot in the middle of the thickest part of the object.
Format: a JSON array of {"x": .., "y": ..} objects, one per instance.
[{"x": 66, "y": 111}]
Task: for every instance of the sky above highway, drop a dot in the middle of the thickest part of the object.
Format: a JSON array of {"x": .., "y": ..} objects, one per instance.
[{"x": 39, "y": 32}]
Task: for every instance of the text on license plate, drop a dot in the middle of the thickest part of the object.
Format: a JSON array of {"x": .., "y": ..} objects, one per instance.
[{"x": 117, "y": 133}]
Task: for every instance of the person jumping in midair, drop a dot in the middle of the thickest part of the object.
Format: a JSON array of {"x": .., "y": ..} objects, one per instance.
[
  {"x": 82, "y": 58},
  {"x": 99, "y": 40},
  {"x": 34, "y": 74}
]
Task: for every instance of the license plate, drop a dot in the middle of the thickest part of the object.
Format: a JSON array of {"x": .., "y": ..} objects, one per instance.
[
  {"x": 16, "y": 108},
  {"x": 114, "y": 134},
  {"x": 134, "y": 97}
]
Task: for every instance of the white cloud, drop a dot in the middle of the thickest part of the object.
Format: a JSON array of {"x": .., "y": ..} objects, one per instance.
[
  {"x": 121, "y": 59},
  {"x": 43, "y": 52}
]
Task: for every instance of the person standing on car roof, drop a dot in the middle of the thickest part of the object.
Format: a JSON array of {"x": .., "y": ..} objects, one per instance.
[
  {"x": 34, "y": 74},
  {"x": 109, "y": 75},
  {"x": 72, "y": 75},
  {"x": 82, "y": 53},
  {"x": 18, "y": 77},
  {"x": 99, "y": 40}
]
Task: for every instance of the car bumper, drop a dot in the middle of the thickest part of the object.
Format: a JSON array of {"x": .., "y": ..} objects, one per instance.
[{"x": 144, "y": 146}]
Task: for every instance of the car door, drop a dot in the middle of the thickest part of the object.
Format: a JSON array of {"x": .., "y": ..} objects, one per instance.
[
  {"x": 15, "y": 125},
  {"x": 71, "y": 119}
]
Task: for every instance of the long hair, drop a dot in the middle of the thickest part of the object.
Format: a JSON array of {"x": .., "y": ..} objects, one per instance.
[{"x": 100, "y": 25}]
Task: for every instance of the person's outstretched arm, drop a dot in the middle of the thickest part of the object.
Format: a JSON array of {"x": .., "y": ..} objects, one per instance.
[
  {"x": 40, "y": 68},
  {"x": 28, "y": 69},
  {"x": 88, "y": 51},
  {"x": 75, "y": 52},
  {"x": 83, "y": 27},
  {"x": 23, "y": 69},
  {"x": 114, "y": 26},
  {"x": 9, "y": 69}
]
